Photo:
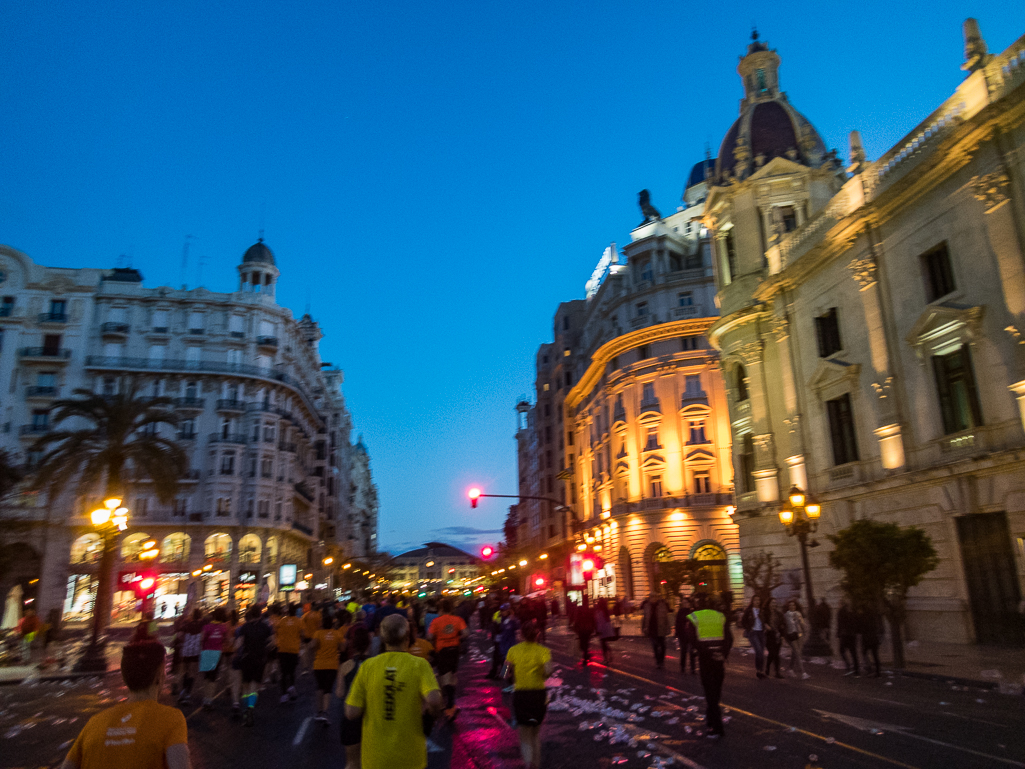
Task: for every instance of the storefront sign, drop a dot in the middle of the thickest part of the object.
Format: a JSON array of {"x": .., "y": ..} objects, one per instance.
[
  {"x": 302, "y": 585},
  {"x": 286, "y": 576},
  {"x": 246, "y": 578},
  {"x": 608, "y": 258}
]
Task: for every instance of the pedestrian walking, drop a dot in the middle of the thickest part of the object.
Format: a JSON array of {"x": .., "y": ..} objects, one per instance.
[
  {"x": 688, "y": 648},
  {"x": 822, "y": 620},
  {"x": 794, "y": 634},
  {"x": 211, "y": 649},
  {"x": 753, "y": 624},
  {"x": 192, "y": 645},
  {"x": 604, "y": 628},
  {"x": 847, "y": 634},
  {"x": 775, "y": 627},
  {"x": 714, "y": 640},
  {"x": 655, "y": 625},
  {"x": 288, "y": 635},
  {"x": 139, "y": 732},
  {"x": 446, "y": 633},
  {"x": 530, "y": 665},
  {"x": 255, "y": 638},
  {"x": 870, "y": 629},
  {"x": 326, "y": 647},
  {"x": 389, "y": 693},
  {"x": 583, "y": 625}
]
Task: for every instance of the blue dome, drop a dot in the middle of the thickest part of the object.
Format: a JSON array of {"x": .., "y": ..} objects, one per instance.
[
  {"x": 697, "y": 173},
  {"x": 258, "y": 252}
]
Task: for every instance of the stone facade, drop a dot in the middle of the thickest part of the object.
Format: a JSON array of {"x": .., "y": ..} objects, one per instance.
[
  {"x": 870, "y": 334},
  {"x": 273, "y": 477}
]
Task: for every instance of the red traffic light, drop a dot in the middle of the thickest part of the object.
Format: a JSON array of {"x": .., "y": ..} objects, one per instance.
[
  {"x": 474, "y": 495},
  {"x": 487, "y": 551},
  {"x": 540, "y": 582},
  {"x": 588, "y": 565}
]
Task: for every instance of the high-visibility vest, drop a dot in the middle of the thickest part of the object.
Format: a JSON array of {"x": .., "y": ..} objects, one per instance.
[{"x": 711, "y": 624}]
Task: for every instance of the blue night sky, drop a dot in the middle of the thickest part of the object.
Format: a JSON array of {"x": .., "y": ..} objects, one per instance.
[{"x": 433, "y": 177}]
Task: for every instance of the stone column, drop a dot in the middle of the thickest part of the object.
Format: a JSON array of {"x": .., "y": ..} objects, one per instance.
[
  {"x": 888, "y": 429},
  {"x": 766, "y": 473}
]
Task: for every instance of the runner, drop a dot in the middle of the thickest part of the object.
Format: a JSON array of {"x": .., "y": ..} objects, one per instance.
[
  {"x": 530, "y": 665},
  {"x": 255, "y": 637},
  {"x": 446, "y": 632},
  {"x": 310, "y": 619},
  {"x": 140, "y": 733},
  {"x": 192, "y": 640},
  {"x": 326, "y": 647},
  {"x": 389, "y": 693},
  {"x": 419, "y": 647},
  {"x": 289, "y": 637},
  {"x": 352, "y": 730},
  {"x": 214, "y": 634}
]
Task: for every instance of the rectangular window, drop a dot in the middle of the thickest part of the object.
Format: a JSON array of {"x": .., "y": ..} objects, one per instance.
[
  {"x": 827, "y": 330},
  {"x": 565, "y": 323},
  {"x": 109, "y": 386},
  {"x": 195, "y": 323},
  {"x": 234, "y": 357},
  {"x": 702, "y": 483},
  {"x": 646, "y": 272},
  {"x": 652, "y": 441},
  {"x": 648, "y": 392},
  {"x": 569, "y": 438},
  {"x": 656, "y": 486},
  {"x": 955, "y": 384},
  {"x": 569, "y": 379},
  {"x": 643, "y": 352},
  {"x": 685, "y": 299},
  {"x": 58, "y": 309},
  {"x": 747, "y": 464},
  {"x": 697, "y": 432},
  {"x": 642, "y": 309},
  {"x": 939, "y": 277},
  {"x": 193, "y": 354},
  {"x": 235, "y": 324},
  {"x": 181, "y": 507},
  {"x": 141, "y": 506},
  {"x": 730, "y": 253},
  {"x": 841, "y": 430},
  {"x": 6, "y": 306},
  {"x": 223, "y": 506},
  {"x": 263, "y": 508},
  {"x": 228, "y": 464},
  {"x": 160, "y": 322},
  {"x": 788, "y": 214},
  {"x": 46, "y": 379}
]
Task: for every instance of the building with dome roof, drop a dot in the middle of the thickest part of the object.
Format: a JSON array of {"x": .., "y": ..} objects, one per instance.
[
  {"x": 274, "y": 479},
  {"x": 871, "y": 335}
]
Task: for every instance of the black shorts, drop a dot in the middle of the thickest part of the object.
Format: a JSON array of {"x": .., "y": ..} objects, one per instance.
[
  {"x": 352, "y": 731},
  {"x": 530, "y": 706},
  {"x": 447, "y": 660},
  {"x": 326, "y": 679},
  {"x": 252, "y": 669}
]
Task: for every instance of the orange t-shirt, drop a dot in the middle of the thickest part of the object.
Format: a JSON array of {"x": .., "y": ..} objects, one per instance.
[
  {"x": 331, "y": 644},
  {"x": 135, "y": 734},
  {"x": 288, "y": 635},
  {"x": 445, "y": 630},
  {"x": 311, "y": 623}
]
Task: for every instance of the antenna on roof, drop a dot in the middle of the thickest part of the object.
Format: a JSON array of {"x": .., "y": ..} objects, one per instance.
[
  {"x": 199, "y": 271},
  {"x": 263, "y": 216},
  {"x": 185, "y": 260}
]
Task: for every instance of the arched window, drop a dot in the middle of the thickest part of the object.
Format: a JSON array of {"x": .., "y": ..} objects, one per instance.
[
  {"x": 249, "y": 549},
  {"x": 175, "y": 548},
  {"x": 132, "y": 546},
  {"x": 714, "y": 576},
  {"x": 741, "y": 383},
  {"x": 86, "y": 549},
  {"x": 217, "y": 548},
  {"x": 627, "y": 572},
  {"x": 747, "y": 464}
]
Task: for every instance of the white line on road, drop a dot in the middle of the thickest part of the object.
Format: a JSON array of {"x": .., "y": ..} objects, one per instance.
[{"x": 302, "y": 731}]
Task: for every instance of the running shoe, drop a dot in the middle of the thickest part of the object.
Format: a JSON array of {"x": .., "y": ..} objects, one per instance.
[{"x": 284, "y": 699}]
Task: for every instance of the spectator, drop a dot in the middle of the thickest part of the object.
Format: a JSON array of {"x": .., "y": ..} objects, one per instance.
[
  {"x": 389, "y": 693},
  {"x": 753, "y": 623},
  {"x": 868, "y": 625},
  {"x": 683, "y": 636},
  {"x": 655, "y": 625},
  {"x": 794, "y": 634},
  {"x": 582, "y": 621},
  {"x": 139, "y": 732},
  {"x": 847, "y": 633},
  {"x": 604, "y": 628}
]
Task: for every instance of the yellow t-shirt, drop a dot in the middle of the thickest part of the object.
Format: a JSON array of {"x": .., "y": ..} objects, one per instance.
[
  {"x": 528, "y": 661},
  {"x": 135, "y": 734},
  {"x": 311, "y": 621},
  {"x": 390, "y": 688},
  {"x": 288, "y": 634},
  {"x": 327, "y": 652},
  {"x": 421, "y": 648}
]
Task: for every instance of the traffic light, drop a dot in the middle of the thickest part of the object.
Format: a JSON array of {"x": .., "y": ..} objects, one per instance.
[
  {"x": 145, "y": 584},
  {"x": 474, "y": 495},
  {"x": 486, "y": 552},
  {"x": 539, "y": 582}
]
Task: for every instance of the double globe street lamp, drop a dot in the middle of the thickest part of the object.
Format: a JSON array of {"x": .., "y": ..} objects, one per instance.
[
  {"x": 109, "y": 521},
  {"x": 801, "y": 518}
]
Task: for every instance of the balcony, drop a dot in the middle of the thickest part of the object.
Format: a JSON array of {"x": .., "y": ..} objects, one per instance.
[
  {"x": 270, "y": 342},
  {"x": 304, "y": 529},
  {"x": 113, "y": 328},
  {"x": 53, "y": 317},
  {"x": 304, "y": 491},
  {"x": 191, "y": 435},
  {"x": 191, "y": 475},
  {"x": 190, "y": 403},
  {"x": 41, "y": 391},
  {"x": 686, "y": 312},
  {"x": 260, "y": 406},
  {"x": 159, "y": 330},
  {"x": 228, "y": 438},
  {"x": 289, "y": 447},
  {"x": 44, "y": 354},
  {"x": 34, "y": 430},
  {"x": 237, "y": 334},
  {"x": 195, "y": 332},
  {"x": 231, "y": 404},
  {"x": 641, "y": 321}
]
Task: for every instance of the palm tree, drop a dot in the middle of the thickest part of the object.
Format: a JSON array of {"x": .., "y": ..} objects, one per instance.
[{"x": 111, "y": 444}]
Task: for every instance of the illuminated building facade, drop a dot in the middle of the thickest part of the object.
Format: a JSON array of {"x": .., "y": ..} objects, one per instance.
[
  {"x": 871, "y": 333},
  {"x": 263, "y": 422},
  {"x": 432, "y": 569}
]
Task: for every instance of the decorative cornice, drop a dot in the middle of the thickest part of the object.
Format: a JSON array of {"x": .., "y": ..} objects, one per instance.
[{"x": 749, "y": 353}]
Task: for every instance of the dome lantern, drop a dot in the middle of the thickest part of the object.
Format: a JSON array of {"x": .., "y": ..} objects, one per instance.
[{"x": 258, "y": 272}]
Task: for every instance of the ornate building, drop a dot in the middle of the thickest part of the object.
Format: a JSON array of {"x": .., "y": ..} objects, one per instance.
[
  {"x": 871, "y": 333},
  {"x": 631, "y": 409},
  {"x": 273, "y": 475}
]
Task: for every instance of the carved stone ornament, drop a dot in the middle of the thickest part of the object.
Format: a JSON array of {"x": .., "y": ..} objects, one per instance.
[
  {"x": 749, "y": 353},
  {"x": 865, "y": 271},
  {"x": 1016, "y": 335},
  {"x": 780, "y": 326},
  {"x": 883, "y": 389},
  {"x": 990, "y": 190}
]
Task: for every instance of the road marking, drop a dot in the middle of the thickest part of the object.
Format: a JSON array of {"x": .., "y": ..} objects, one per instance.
[
  {"x": 761, "y": 718},
  {"x": 302, "y": 731}
]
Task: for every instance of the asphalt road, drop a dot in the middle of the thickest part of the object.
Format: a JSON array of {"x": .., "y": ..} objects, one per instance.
[{"x": 631, "y": 715}]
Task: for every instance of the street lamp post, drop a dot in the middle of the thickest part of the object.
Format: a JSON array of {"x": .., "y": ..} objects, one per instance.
[
  {"x": 800, "y": 519},
  {"x": 109, "y": 521}
]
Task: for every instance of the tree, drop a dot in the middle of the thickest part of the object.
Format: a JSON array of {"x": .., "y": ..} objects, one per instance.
[
  {"x": 880, "y": 563},
  {"x": 762, "y": 573},
  {"x": 111, "y": 444},
  {"x": 10, "y": 474}
]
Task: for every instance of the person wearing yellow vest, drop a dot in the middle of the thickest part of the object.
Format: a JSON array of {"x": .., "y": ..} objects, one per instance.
[{"x": 711, "y": 634}]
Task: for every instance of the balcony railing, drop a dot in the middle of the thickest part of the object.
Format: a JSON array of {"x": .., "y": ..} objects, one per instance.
[
  {"x": 113, "y": 327},
  {"x": 34, "y": 429},
  {"x": 191, "y": 435},
  {"x": 190, "y": 403},
  {"x": 237, "y": 334},
  {"x": 159, "y": 330},
  {"x": 686, "y": 312},
  {"x": 54, "y": 353},
  {"x": 41, "y": 391},
  {"x": 53, "y": 317},
  {"x": 196, "y": 332},
  {"x": 228, "y": 438},
  {"x": 231, "y": 404},
  {"x": 267, "y": 341}
]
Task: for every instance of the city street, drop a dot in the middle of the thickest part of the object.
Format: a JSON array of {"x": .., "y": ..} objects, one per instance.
[{"x": 632, "y": 715}]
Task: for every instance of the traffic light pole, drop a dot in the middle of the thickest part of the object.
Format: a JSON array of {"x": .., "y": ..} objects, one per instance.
[{"x": 555, "y": 502}]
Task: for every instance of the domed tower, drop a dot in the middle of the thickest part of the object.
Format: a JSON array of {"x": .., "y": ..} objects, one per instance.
[{"x": 258, "y": 273}]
